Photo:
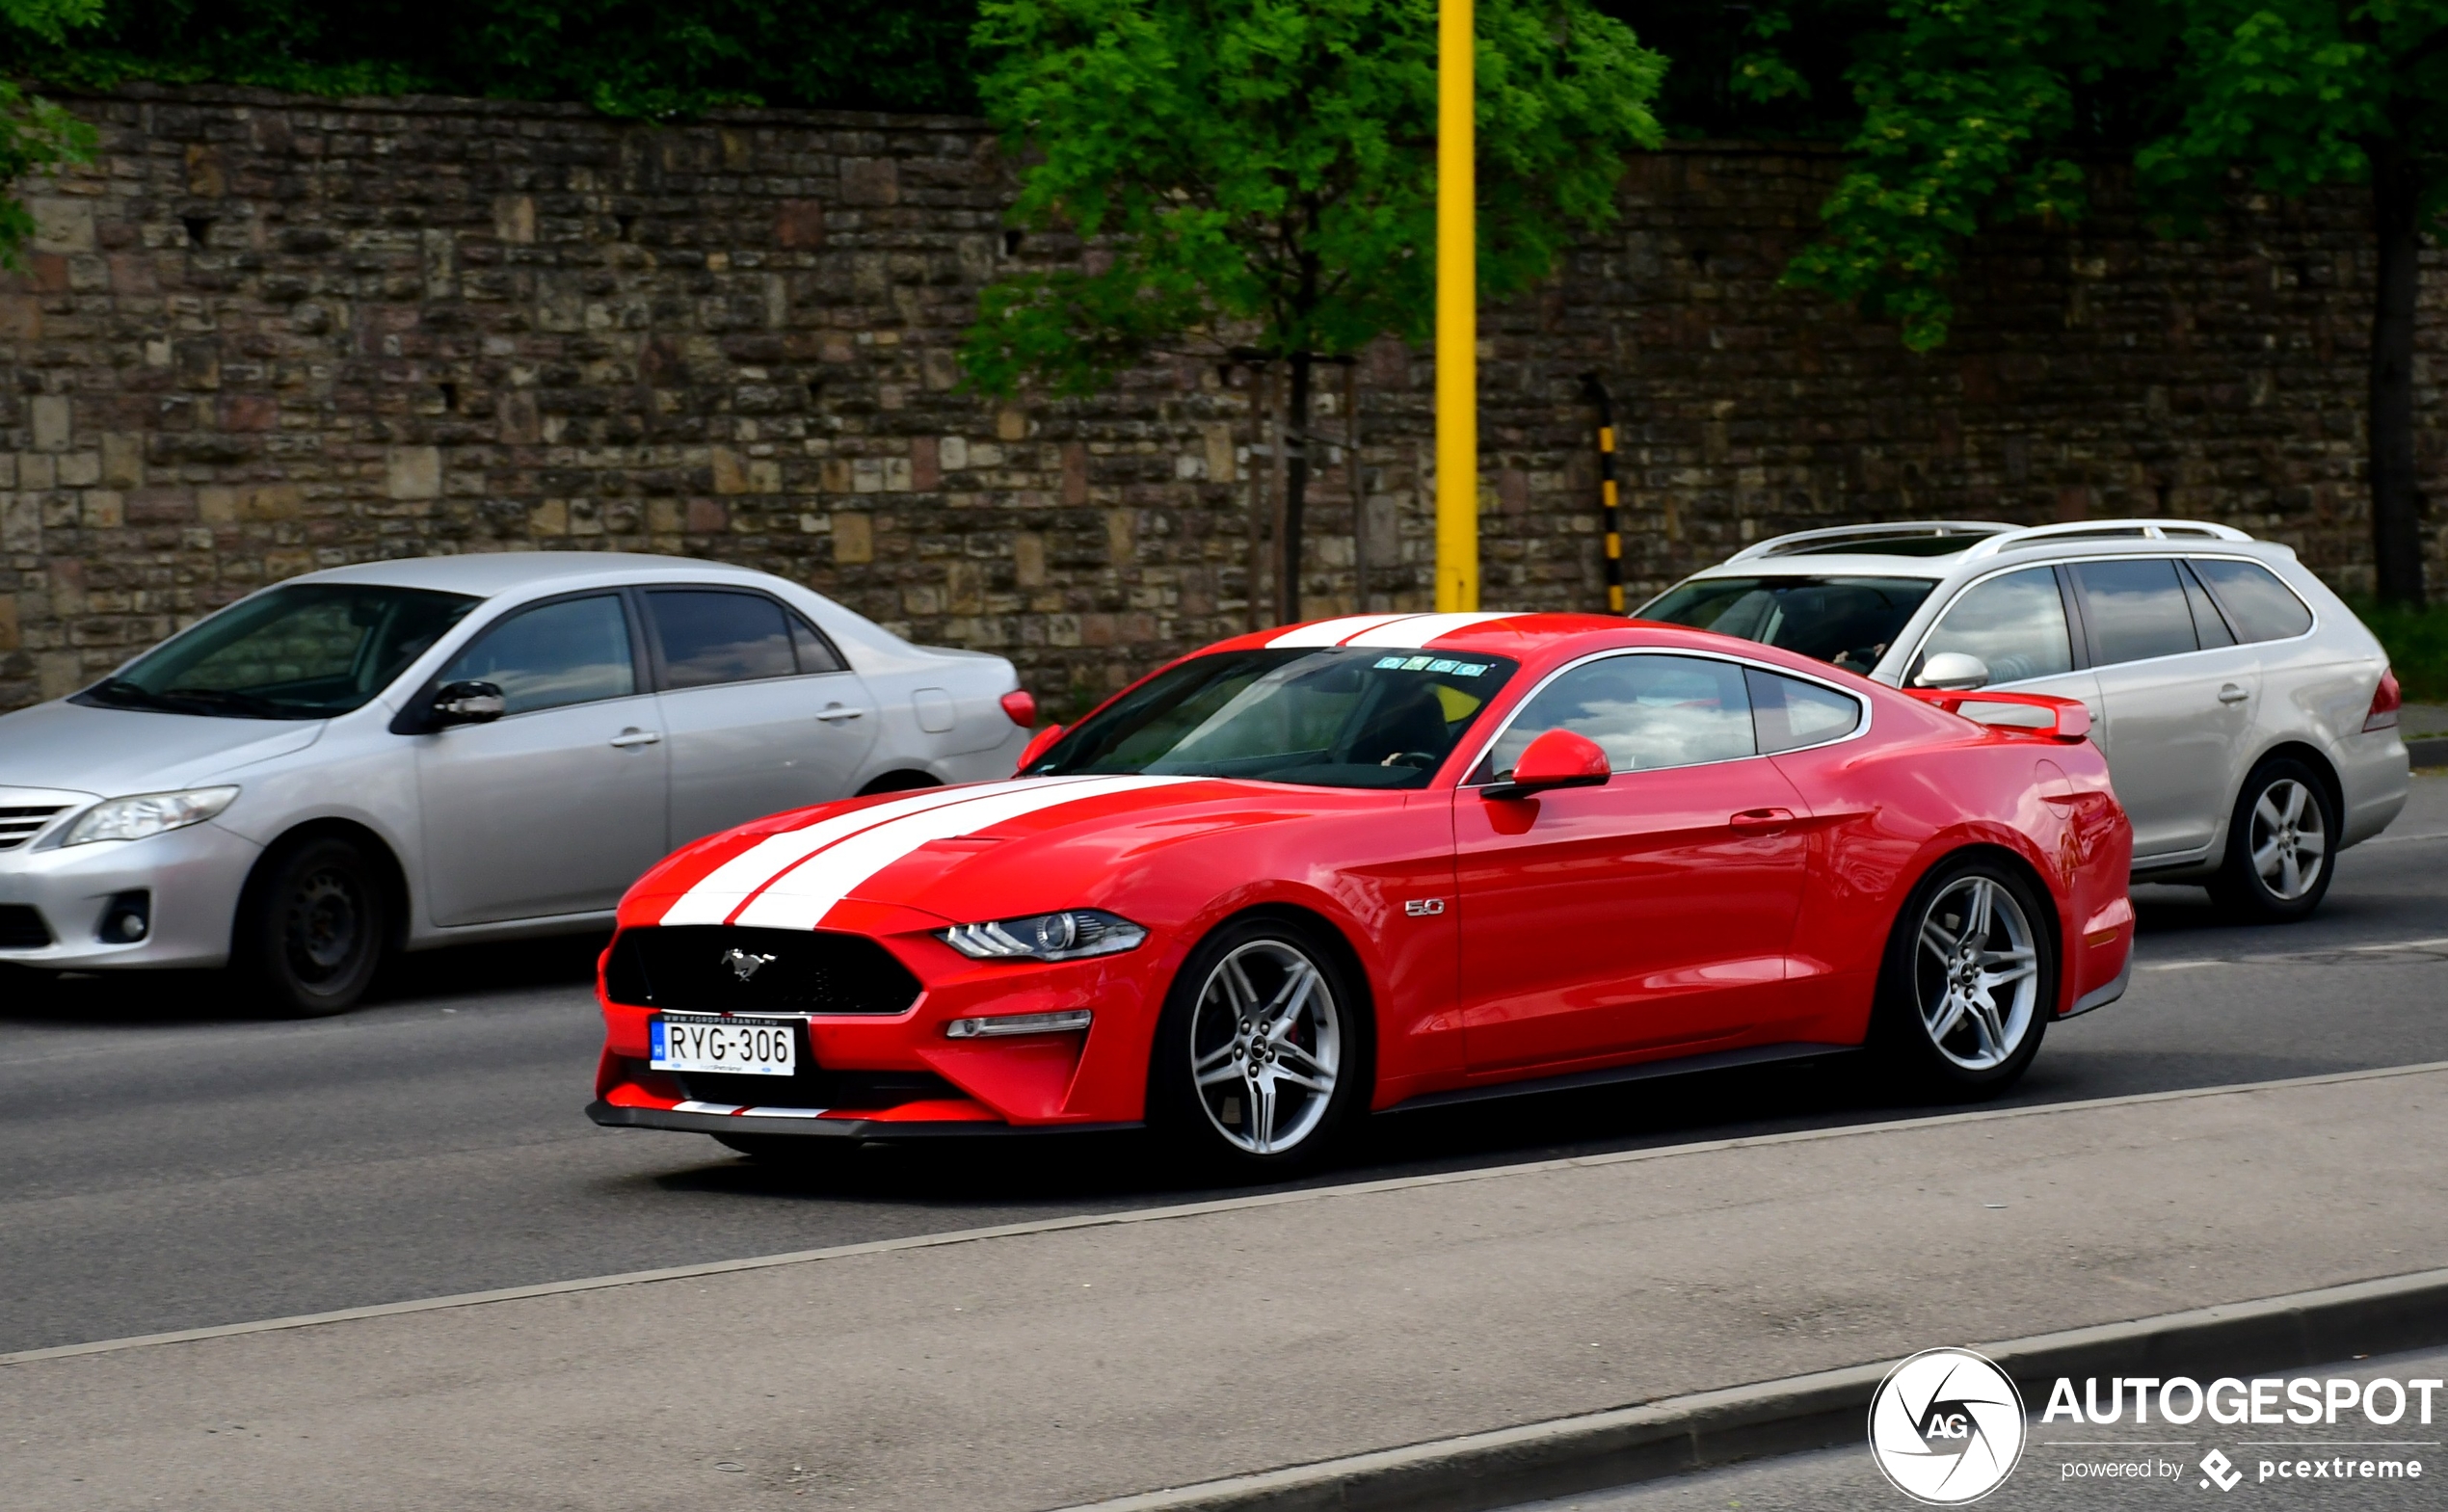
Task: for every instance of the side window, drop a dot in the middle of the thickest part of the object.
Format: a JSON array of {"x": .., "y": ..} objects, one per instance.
[
  {"x": 815, "y": 652},
  {"x": 2209, "y": 627},
  {"x": 1790, "y": 713},
  {"x": 2016, "y": 624},
  {"x": 1643, "y": 711},
  {"x": 2135, "y": 609},
  {"x": 710, "y": 636},
  {"x": 2264, "y": 608},
  {"x": 574, "y": 652}
]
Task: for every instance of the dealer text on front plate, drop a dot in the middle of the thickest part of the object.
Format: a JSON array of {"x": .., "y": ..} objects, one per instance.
[{"x": 702, "y": 1042}]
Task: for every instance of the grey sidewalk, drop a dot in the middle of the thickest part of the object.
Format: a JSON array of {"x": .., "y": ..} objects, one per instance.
[{"x": 1038, "y": 1369}]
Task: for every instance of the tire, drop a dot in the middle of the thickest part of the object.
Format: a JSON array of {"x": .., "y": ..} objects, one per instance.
[
  {"x": 2281, "y": 845},
  {"x": 1263, "y": 1022},
  {"x": 316, "y": 928},
  {"x": 899, "y": 782},
  {"x": 1960, "y": 1012}
]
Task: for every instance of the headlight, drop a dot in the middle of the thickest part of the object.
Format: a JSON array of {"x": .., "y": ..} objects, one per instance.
[
  {"x": 1066, "y": 936},
  {"x": 148, "y": 813}
]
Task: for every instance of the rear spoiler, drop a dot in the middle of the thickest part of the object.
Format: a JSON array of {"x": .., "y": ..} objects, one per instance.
[{"x": 2033, "y": 713}]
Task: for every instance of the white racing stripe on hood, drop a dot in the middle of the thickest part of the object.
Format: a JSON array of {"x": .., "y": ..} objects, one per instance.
[
  {"x": 720, "y": 890},
  {"x": 801, "y": 898},
  {"x": 1423, "y": 629},
  {"x": 1333, "y": 632}
]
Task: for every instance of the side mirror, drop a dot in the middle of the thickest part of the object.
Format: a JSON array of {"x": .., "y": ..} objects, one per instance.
[
  {"x": 1953, "y": 669},
  {"x": 1557, "y": 758},
  {"x": 470, "y": 702},
  {"x": 1038, "y": 745}
]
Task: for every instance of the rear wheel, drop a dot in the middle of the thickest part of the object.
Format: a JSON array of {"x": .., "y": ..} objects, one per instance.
[
  {"x": 316, "y": 928},
  {"x": 1969, "y": 982},
  {"x": 1263, "y": 1052},
  {"x": 2280, "y": 840}
]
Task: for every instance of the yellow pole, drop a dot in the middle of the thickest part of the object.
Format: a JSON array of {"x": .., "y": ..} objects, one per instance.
[{"x": 1457, "y": 336}]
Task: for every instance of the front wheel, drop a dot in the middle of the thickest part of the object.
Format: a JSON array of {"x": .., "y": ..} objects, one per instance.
[
  {"x": 1969, "y": 982},
  {"x": 2280, "y": 844},
  {"x": 316, "y": 928},
  {"x": 1262, "y": 1051}
]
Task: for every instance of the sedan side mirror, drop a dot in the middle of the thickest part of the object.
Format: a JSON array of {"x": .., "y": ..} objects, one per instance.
[
  {"x": 469, "y": 702},
  {"x": 1557, "y": 758},
  {"x": 1953, "y": 669}
]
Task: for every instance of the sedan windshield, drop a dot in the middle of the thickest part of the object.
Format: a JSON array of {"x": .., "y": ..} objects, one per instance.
[
  {"x": 308, "y": 651},
  {"x": 1327, "y": 716},
  {"x": 1850, "y": 621}
]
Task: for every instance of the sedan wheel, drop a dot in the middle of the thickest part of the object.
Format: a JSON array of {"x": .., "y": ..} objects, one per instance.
[
  {"x": 1970, "y": 980},
  {"x": 2280, "y": 842},
  {"x": 1258, "y": 1059},
  {"x": 317, "y": 926}
]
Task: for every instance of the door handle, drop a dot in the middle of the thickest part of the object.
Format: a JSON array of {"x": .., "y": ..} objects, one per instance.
[
  {"x": 1761, "y": 821},
  {"x": 2231, "y": 693},
  {"x": 634, "y": 737},
  {"x": 837, "y": 712}
]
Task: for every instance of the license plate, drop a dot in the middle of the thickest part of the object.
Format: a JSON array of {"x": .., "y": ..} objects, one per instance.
[{"x": 741, "y": 1047}]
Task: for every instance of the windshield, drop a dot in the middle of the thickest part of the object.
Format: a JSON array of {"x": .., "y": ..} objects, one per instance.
[
  {"x": 1848, "y": 621},
  {"x": 308, "y": 651},
  {"x": 1327, "y": 716}
]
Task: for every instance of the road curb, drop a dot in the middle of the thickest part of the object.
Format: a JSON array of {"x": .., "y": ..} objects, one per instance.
[
  {"x": 2430, "y": 751},
  {"x": 1566, "y": 1455}
]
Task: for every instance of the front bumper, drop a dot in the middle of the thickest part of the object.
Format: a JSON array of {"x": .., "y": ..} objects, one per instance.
[
  {"x": 812, "y": 1123},
  {"x": 195, "y": 876}
]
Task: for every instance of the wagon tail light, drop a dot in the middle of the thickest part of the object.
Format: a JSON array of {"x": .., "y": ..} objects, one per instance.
[{"x": 2386, "y": 700}]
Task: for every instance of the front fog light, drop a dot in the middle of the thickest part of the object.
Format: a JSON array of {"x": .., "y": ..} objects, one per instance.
[
  {"x": 128, "y": 918},
  {"x": 148, "y": 815},
  {"x": 985, "y": 1028},
  {"x": 1065, "y": 935}
]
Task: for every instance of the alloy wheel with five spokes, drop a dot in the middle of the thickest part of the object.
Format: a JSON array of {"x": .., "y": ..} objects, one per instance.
[
  {"x": 1976, "y": 973},
  {"x": 2288, "y": 840},
  {"x": 1266, "y": 1046}
]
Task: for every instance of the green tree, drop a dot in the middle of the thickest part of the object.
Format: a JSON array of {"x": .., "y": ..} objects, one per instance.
[
  {"x": 1977, "y": 112},
  {"x": 35, "y": 135},
  {"x": 1262, "y": 173}
]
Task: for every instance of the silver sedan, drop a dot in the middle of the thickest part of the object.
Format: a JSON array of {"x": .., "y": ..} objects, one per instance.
[{"x": 413, "y": 754}]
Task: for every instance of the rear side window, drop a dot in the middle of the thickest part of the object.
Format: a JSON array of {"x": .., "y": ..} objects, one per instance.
[
  {"x": 1643, "y": 711},
  {"x": 2135, "y": 609},
  {"x": 2263, "y": 608},
  {"x": 2209, "y": 627},
  {"x": 710, "y": 636},
  {"x": 1788, "y": 713},
  {"x": 2016, "y": 624},
  {"x": 574, "y": 652}
]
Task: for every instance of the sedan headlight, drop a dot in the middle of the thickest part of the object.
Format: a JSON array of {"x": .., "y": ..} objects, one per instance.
[
  {"x": 1066, "y": 936},
  {"x": 148, "y": 813}
]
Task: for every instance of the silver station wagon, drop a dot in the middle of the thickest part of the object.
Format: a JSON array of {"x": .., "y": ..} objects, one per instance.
[
  {"x": 2248, "y": 718},
  {"x": 458, "y": 748}
]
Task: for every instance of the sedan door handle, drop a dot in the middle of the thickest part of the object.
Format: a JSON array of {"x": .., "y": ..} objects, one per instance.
[
  {"x": 837, "y": 712},
  {"x": 2231, "y": 693},
  {"x": 634, "y": 737},
  {"x": 1761, "y": 821}
]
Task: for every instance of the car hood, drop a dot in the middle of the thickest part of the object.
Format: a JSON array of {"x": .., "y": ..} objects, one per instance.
[
  {"x": 992, "y": 849},
  {"x": 113, "y": 751}
]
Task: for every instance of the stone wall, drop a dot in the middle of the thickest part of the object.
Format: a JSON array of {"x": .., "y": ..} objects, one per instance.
[{"x": 263, "y": 335}]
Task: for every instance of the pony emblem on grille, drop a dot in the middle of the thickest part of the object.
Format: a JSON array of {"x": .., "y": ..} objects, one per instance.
[{"x": 745, "y": 964}]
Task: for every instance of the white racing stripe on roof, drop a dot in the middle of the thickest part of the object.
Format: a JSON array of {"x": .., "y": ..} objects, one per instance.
[
  {"x": 1334, "y": 633},
  {"x": 1423, "y": 629},
  {"x": 801, "y": 898},
  {"x": 722, "y": 890}
]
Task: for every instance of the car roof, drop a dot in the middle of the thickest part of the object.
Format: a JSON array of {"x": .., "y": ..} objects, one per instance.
[
  {"x": 486, "y": 575},
  {"x": 1935, "y": 550}
]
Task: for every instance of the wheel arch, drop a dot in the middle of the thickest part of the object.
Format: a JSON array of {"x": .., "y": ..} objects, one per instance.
[
  {"x": 387, "y": 870},
  {"x": 898, "y": 780},
  {"x": 2311, "y": 755},
  {"x": 2053, "y": 919},
  {"x": 1336, "y": 939}
]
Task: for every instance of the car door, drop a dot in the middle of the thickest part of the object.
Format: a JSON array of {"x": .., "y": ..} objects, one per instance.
[
  {"x": 2179, "y": 694},
  {"x": 2019, "y": 627},
  {"x": 1652, "y": 912},
  {"x": 556, "y": 806},
  {"x": 759, "y": 710}
]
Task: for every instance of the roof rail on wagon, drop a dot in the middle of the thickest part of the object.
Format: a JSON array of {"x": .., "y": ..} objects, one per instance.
[
  {"x": 1923, "y": 533},
  {"x": 2105, "y": 530}
]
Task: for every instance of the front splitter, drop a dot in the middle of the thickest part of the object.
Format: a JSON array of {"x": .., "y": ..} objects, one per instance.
[{"x": 805, "y": 1128}]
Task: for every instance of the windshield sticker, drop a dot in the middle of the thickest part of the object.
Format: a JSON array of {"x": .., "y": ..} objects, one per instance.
[
  {"x": 1469, "y": 669},
  {"x": 1391, "y": 663},
  {"x": 1417, "y": 664}
]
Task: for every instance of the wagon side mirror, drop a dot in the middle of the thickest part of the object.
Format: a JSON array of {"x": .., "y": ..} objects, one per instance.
[
  {"x": 1953, "y": 669},
  {"x": 467, "y": 702},
  {"x": 1557, "y": 758}
]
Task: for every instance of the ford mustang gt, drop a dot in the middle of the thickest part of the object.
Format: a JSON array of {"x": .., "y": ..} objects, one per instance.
[{"x": 1386, "y": 862}]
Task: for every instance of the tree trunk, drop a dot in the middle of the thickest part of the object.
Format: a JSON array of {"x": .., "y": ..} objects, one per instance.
[
  {"x": 2397, "y": 541},
  {"x": 1295, "y": 491}
]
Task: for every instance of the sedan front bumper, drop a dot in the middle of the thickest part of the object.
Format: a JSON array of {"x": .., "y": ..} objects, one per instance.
[{"x": 194, "y": 876}]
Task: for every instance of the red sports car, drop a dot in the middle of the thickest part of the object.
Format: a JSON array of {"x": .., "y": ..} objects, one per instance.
[{"x": 1384, "y": 862}]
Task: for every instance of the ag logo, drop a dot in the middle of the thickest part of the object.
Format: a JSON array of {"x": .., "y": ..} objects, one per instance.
[{"x": 1945, "y": 1427}]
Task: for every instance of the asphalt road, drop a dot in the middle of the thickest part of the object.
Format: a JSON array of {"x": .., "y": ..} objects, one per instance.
[
  {"x": 1838, "y": 1480},
  {"x": 172, "y": 1163}
]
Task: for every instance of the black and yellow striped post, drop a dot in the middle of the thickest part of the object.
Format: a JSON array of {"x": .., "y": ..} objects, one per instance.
[{"x": 1609, "y": 520}]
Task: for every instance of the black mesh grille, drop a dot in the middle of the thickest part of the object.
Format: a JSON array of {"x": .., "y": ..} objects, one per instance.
[
  {"x": 22, "y": 928},
  {"x": 815, "y": 1087},
  {"x": 691, "y": 968}
]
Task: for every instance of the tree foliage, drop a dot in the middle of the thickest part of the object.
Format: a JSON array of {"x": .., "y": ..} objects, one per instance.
[{"x": 35, "y": 135}]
